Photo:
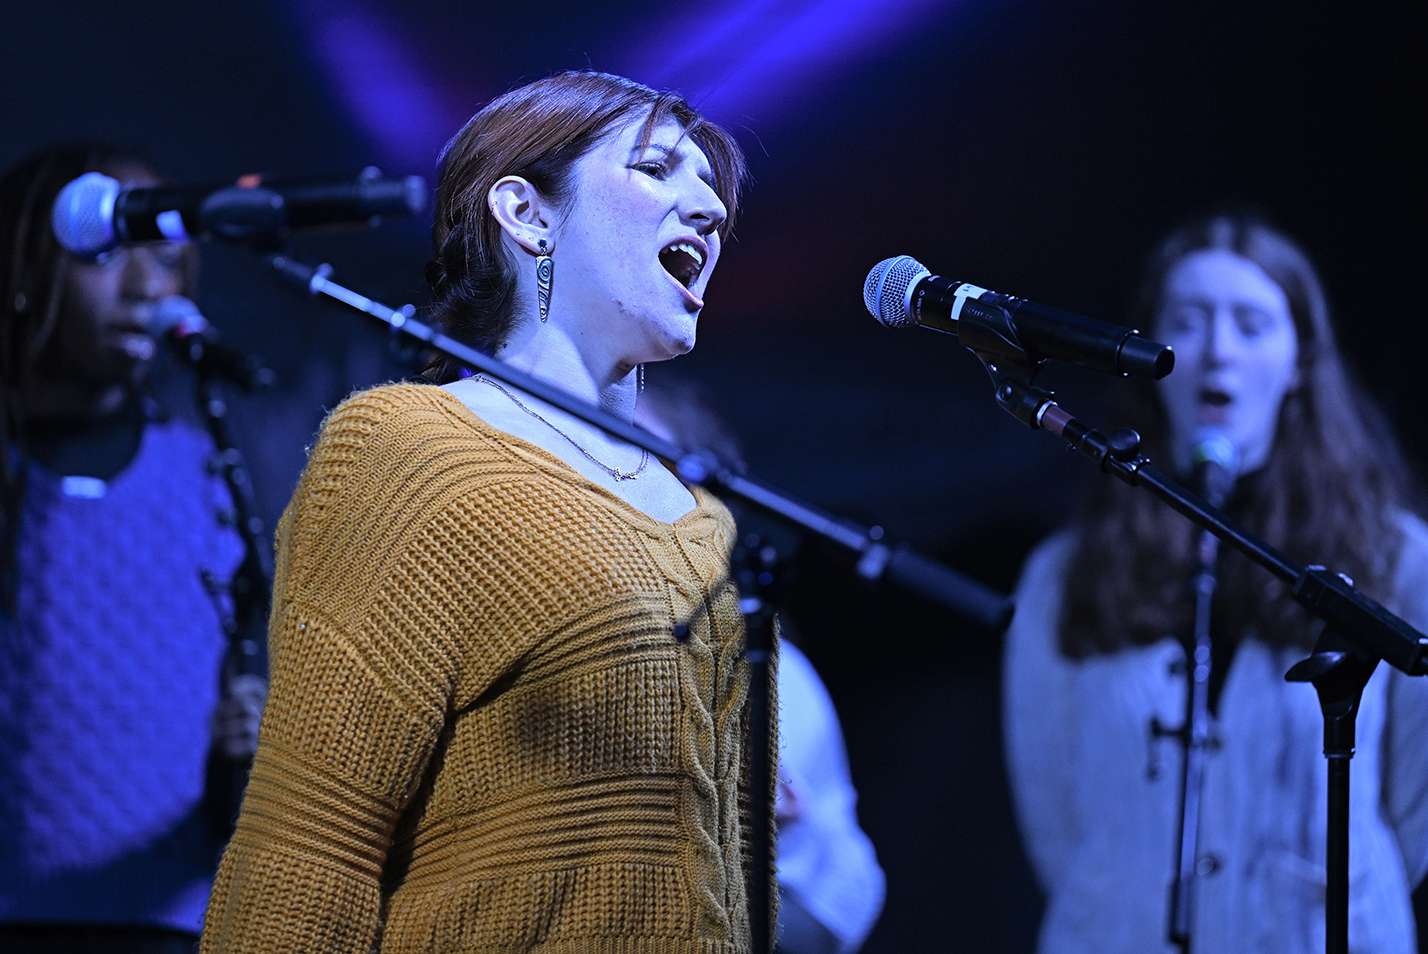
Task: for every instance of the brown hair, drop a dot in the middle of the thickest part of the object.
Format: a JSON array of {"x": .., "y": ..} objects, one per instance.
[
  {"x": 538, "y": 132},
  {"x": 1327, "y": 494},
  {"x": 31, "y": 287}
]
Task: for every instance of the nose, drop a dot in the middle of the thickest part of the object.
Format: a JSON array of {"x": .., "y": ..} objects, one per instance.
[
  {"x": 148, "y": 278},
  {"x": 1220, "y": 338},
  {"x": 702, "y": 208}
]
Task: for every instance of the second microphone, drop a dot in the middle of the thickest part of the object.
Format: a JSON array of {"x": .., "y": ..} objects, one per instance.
[
  {"x": 94, "y": 213},
  {"x": 901, "y": 292}
]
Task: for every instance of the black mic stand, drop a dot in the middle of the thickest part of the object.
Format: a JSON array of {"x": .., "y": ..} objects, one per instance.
[
  {"x": 1358, "y": 631},
  {"x": 250, "y": 592},
  {"x": 753, "y": 569},
  {"x": 1195, "y": 735},
  {"x": 760, "y": 574}
]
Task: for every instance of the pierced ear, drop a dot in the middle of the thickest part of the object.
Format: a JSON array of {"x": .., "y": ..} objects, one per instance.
[{"x": 521, "y": 212}]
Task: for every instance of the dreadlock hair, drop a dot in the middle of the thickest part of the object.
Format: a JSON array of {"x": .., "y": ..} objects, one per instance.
[
  {"x": 1328, "y": 493},
  {"x": 32, "y": 278}
]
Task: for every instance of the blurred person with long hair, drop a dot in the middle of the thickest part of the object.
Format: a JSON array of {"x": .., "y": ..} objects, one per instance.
[
  {"x": 1095, "y": 665},
  {"x": 508, "y": 703},
  {"x": 111, "y": 642}
]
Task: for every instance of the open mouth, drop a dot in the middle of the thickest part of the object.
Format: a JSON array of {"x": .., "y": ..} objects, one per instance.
[
  {"x": 1214, "y": 398},
  {"x": 683, "y": 260}
]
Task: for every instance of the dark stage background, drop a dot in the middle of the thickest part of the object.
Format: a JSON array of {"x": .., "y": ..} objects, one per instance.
[{"x": 1037, "y": 147}]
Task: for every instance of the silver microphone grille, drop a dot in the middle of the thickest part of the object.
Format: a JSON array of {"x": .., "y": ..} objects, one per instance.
[
  {"x": 83, "y": 215},
  {"x": 888, "y": 291}
]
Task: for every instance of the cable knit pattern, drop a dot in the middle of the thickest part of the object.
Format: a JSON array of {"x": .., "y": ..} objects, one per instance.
[{"x": 483, "y": 734}]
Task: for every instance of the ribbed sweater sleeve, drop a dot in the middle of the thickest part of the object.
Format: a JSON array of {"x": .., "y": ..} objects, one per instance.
[{"x": 370, "y": 590}]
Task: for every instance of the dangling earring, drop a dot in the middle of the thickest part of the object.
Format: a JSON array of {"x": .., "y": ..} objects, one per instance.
[{"x": 545, "y": 269}]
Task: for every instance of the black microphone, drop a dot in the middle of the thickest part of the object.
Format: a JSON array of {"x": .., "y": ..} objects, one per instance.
[
  {"x": 901, "y": 292},
  {"x": 192, "y": 335},
  {"x": 1216, "y": 463},
  {"x": 94, "y": 213}
]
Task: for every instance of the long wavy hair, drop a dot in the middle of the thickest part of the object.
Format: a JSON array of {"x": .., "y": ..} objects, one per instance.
[
  {"x": 1328, "y": 493},
  {"x": 538, "y": 132},
  {"x": 32, "y": 276}
]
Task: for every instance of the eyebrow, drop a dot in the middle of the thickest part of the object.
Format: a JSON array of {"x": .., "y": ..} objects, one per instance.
[{"x": 706, "y": 175}]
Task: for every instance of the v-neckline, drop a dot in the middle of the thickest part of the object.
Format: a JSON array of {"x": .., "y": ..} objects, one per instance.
[{"x": 559, "y": 469}]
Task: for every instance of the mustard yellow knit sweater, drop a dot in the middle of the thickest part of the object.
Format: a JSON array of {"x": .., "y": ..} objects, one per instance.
[{"x": 483, "y": 733}]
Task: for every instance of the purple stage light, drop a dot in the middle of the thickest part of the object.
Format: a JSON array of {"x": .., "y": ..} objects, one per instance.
[
  {"x": 753, "y": 58},
  {"x": 738, "y": 60},
  {"x": 385, "y": 89}
]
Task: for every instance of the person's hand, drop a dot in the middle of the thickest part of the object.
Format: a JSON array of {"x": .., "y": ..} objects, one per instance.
[
  {"x": 788, "y": 807},
  {"x": 235, "y": 721}
]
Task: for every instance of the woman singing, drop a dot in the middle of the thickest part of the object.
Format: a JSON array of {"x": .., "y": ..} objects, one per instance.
[
  {"x": 1096, "y": 664},
  {"x": 507, "y": 702}
]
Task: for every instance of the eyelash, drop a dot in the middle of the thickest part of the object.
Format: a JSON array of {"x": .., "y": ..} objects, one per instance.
[{"x": 655, "y": 170}]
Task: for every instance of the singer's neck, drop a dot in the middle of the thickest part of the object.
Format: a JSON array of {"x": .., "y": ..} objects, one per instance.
[
  {"x": 55, "y": 402},
  {"x": 99, "y": 447},
  {"x": 549, "y": 353}
]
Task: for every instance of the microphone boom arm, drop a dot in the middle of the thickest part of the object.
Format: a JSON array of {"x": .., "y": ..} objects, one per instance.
[
  {"x": 1358, "y": 632},
  {"x": 1329, "y": 596},
  {"x": 878, "y": 559}
]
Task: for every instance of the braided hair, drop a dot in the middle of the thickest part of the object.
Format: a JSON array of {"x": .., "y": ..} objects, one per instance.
[{"x": 32, "y": 278}]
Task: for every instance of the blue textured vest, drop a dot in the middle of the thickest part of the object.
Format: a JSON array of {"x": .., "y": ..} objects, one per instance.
[{"x": 108, "y": 679}]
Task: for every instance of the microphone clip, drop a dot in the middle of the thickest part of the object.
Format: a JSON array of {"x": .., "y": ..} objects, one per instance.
[{"x": 1011, "y": 382}]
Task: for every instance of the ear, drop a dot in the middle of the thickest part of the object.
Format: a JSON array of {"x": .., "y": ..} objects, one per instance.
[{"x": 522, "y": 213}]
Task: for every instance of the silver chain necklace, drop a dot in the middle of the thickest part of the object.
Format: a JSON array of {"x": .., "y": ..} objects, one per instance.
[{"x": 614, "y": 472}]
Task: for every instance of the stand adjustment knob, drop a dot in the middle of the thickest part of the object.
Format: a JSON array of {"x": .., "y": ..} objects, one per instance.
[{"x": 1124, "y": 444}]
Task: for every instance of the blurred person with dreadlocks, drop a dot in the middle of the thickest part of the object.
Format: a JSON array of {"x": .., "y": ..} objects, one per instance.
[
  {"x": 1096, "y": 662},
  {"x": 110, "y": 641}
]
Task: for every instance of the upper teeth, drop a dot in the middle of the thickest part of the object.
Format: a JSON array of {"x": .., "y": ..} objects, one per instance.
[{"x": 693, "y": 251}]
